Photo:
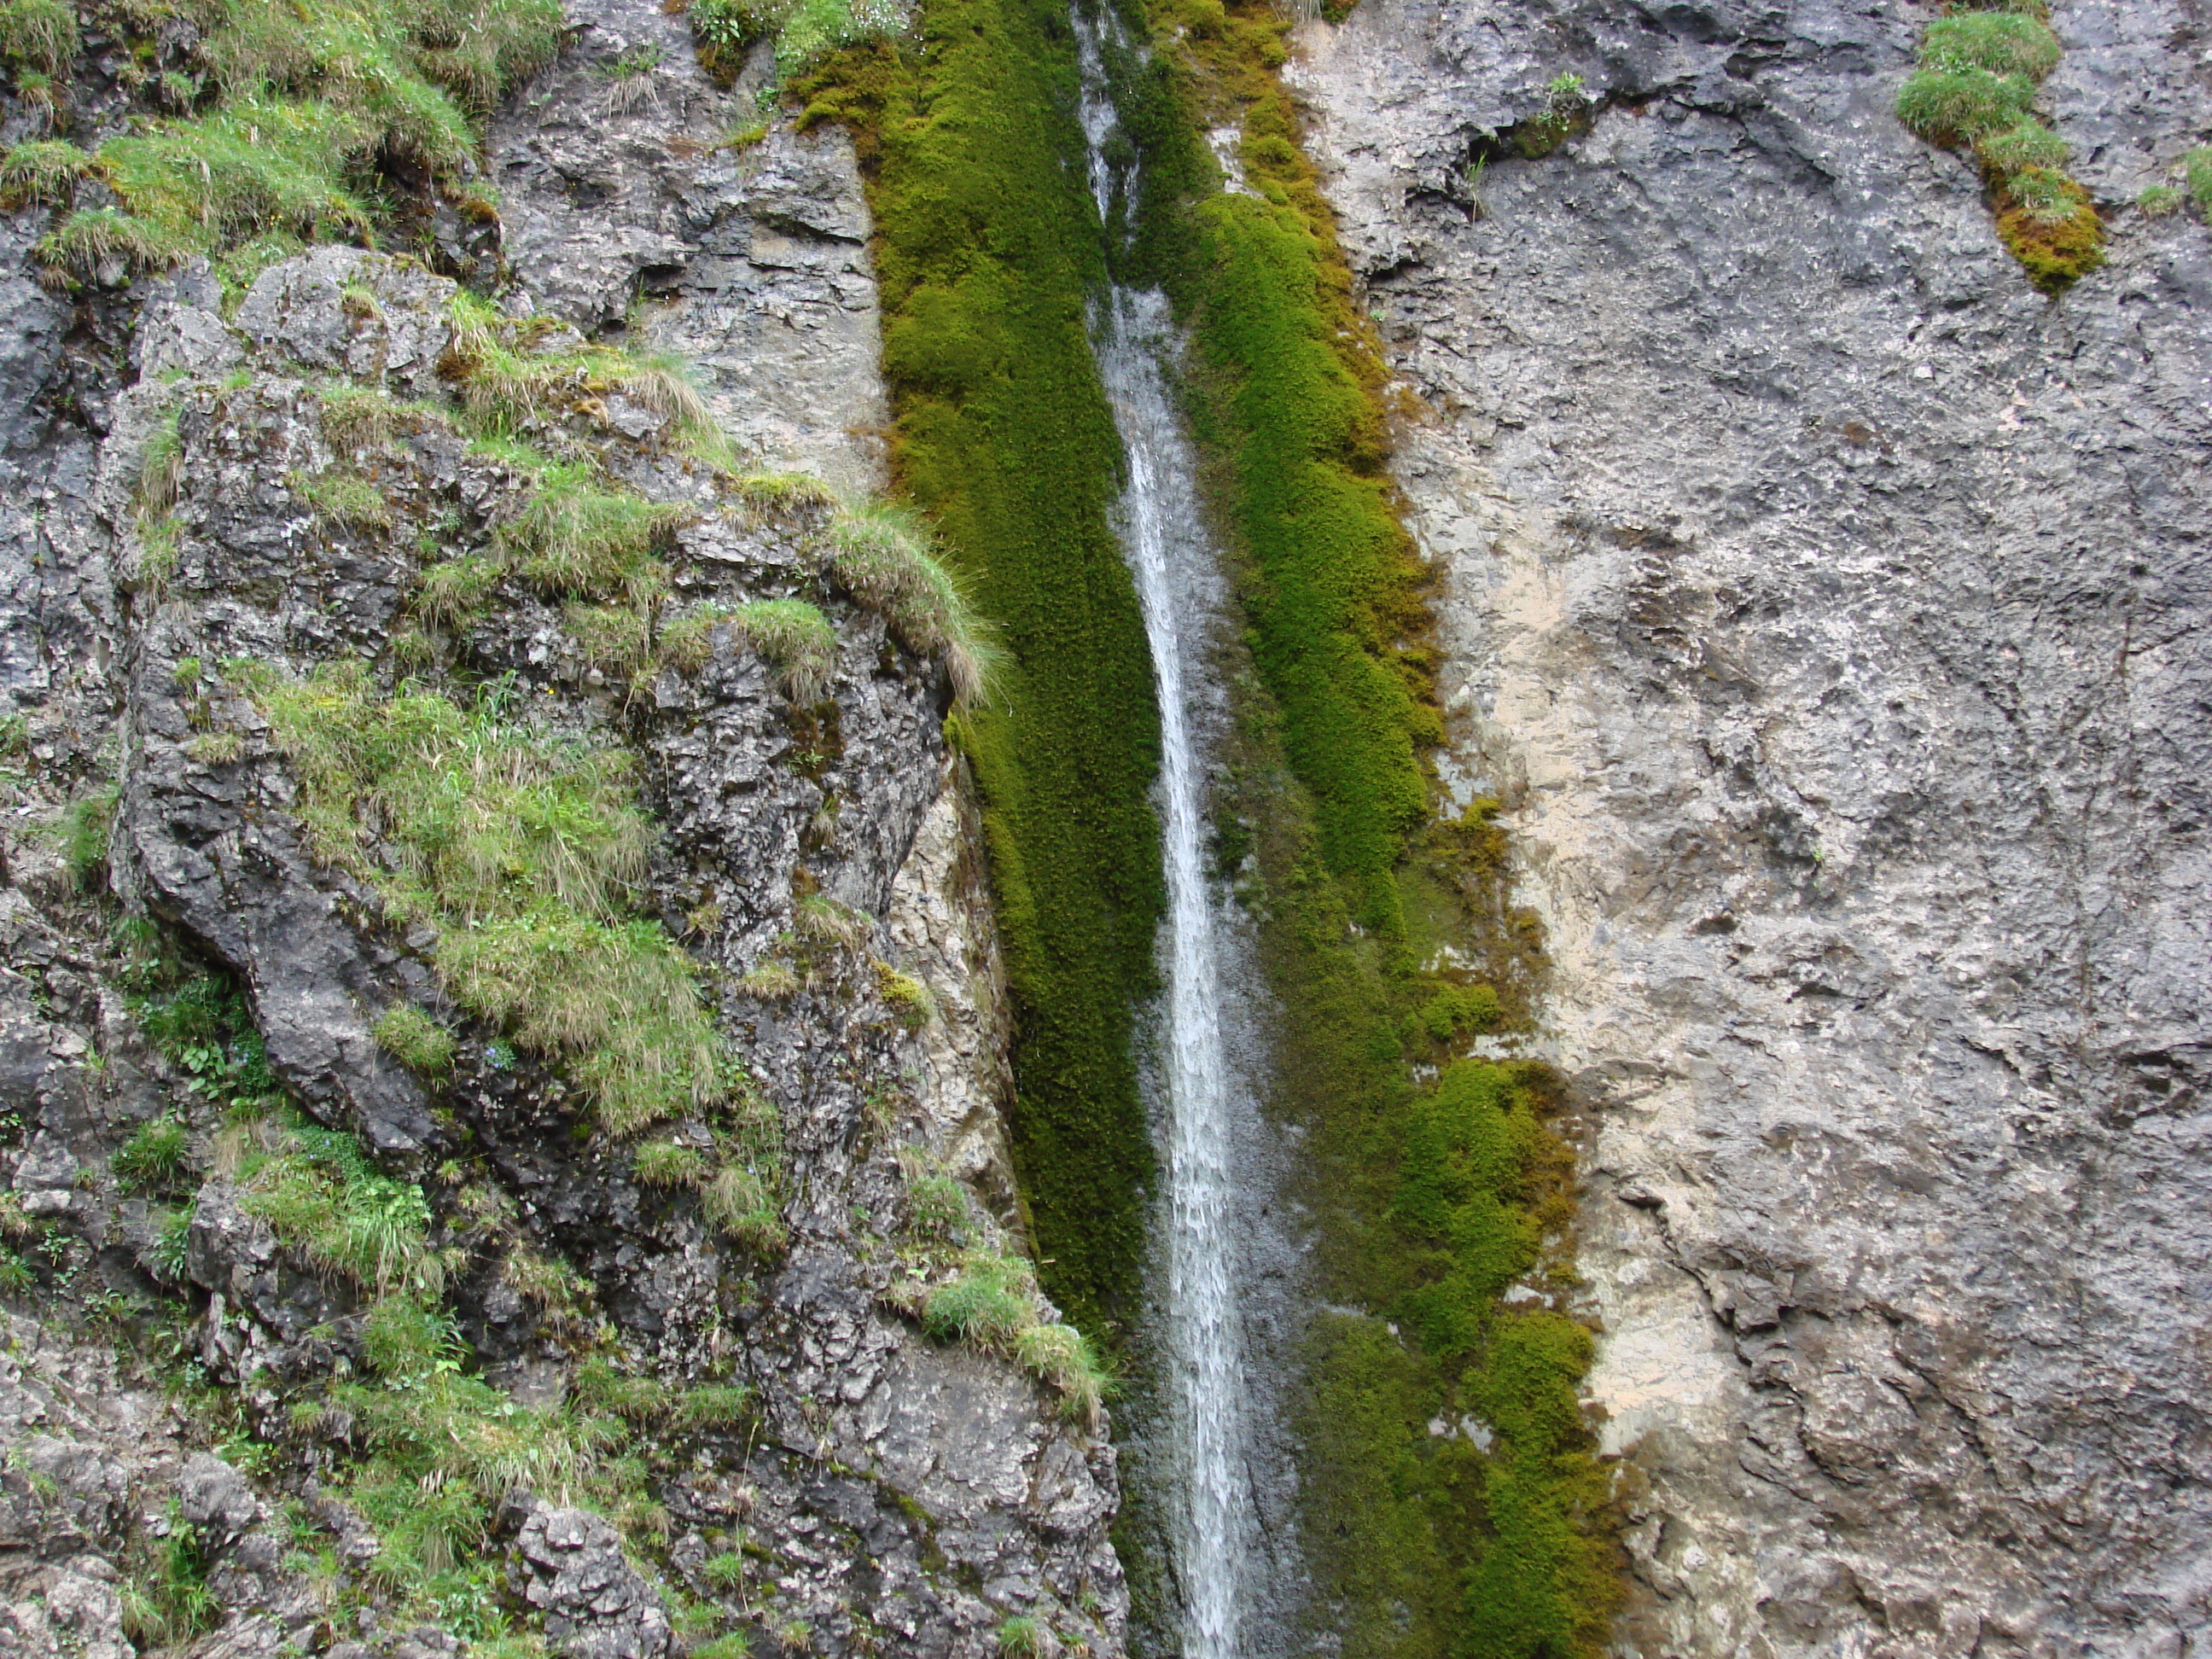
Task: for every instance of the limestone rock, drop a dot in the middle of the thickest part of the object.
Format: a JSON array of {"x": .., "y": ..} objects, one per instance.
[{"x": 1830, "y": 608}]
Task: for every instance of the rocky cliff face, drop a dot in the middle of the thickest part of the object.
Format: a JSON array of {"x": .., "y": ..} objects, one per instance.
[
  {"x": 851, "y": 1485},
  {"x": 1830, "y": 608}
]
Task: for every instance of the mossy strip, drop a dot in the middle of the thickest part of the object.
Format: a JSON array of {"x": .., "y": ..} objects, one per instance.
[{"x": 988, "y": 247}]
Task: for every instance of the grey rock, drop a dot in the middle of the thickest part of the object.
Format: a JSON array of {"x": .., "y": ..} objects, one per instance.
[
  {"x": 378, "y": 320},
  {"x": 753, "y": 264},
  {"x": 1830, "y": 608},
  {"x": 596, "y": 1606},
  {"x": 216, "y": 1497}
]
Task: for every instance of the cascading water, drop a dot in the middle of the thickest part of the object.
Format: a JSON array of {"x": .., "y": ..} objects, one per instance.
[{"x": 1214, "y": 1451}]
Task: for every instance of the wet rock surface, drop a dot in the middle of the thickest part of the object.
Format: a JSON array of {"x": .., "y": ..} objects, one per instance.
[{"x": 1830, "y": 609}]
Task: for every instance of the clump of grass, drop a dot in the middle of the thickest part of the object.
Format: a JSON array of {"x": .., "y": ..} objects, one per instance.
[
  {"x": 318, "y": 1193},
  {"x": 528, "y": 853},
  {"x": 1958, "y": 106},
  {"x": 742, "y": 1206},
  {"x": 576, "y": 538},
  {"x": 38, "y": 34},
  {"x": 93, "y": 237},
  {"x": 796, "y": 638},
  {"x": 343, "y": 500},
  {"x": 671, "y": 1164},
  {"x": 155, "y": 1158},
  {"x": 769, "y": 981},
  {"x": 734, "y": 1646},
  {"x": 2197, "y": 172},
  {"x": 2158, "y": 201},
  {"x": 711, "y": 1406},
  {"x": 883, "y": 555},
  {"x": 457, "y": 591},
  {"x": 1977, "y": 79},
  {"x": 2003, "y": 42},
  {"x": 415, "y": 1039},
  {"x": 166, "y": 1602},
  {"x": 822, "y": 921},
  {"x": 87, "y": 826},
  {"x": 785, "y": 490},
  {"x": 1062, "y": 1357},
  {"x": 2012, "y": 151},
  {"x": 312, "y": 104},
  {"x": 990, "y": 1304},
  {"x": 547, "y": 1283},
  {"x": 1022, "y": 1637},
  {"x": 725, "y": 1572},
  {"x": 44, "y": 171},
  {"x": 936, "y": 1205},
  {"x": 509, "y": 381}
]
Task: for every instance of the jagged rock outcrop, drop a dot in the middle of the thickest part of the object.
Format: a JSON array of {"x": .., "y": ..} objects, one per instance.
[
  {"x": 620, "y": 186},
  {"x": 1830, "y": 608},
  {"x": 883, "y": 1490}
]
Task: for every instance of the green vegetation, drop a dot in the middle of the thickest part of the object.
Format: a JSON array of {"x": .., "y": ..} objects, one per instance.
[
  {"x": 992, "y": 1304},
  {"x": 342, "y": 501},
  {"x": 86, "y": 827},
  {"x": 988, "y": 250},
  {"x": 166, "y": 1598},
  {"x": 805, "y": 32},
  {"x": 319, "y": 114},
  {"x": 670, "y": 1163},
  {"x": 45, "y": 171},
  {"x": 797, "y": 641},
  {"x": 1974, "y": 89},
  {"x": 1355, "y": 885},
  {"x": 527, "y": 853},
  {"x": 2197, "y": 171},
  {"x": 415, "y": 1039},
  {"x": 885, "y": 557},
  {"x": 1022, "y": 1637},
  {"x": 1288, "y": 404},
  {"x": 155, "y": 1157},
  {"x": 2158, "y": 201}
]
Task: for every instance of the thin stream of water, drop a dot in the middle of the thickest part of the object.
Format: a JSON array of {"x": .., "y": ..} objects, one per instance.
[{"x": 1177, "y": 571}]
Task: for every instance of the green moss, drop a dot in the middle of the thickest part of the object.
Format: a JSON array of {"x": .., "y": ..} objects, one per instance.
[
  {"x": 1427, "y": 1206},
  {"x": 988, "y": 250},
  {"x": 1977, "y": 75}
]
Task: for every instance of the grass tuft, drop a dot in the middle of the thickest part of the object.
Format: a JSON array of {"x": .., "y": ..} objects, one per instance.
[
  {"x": 669, "y": 1164},
  {"x": 415, "y": 1039},
  {"x": 529, "y": 852},
  {"x": 885, "y": 556},
  {"x": 2197, "y": 173},
  {"x": 1959, "y": 106},
  {"x": 796, "y": 638},
  {"x": 44, "y": 171}
]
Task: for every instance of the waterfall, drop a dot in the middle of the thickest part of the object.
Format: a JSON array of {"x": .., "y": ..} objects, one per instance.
[{"x": 1215, "y": 1412}]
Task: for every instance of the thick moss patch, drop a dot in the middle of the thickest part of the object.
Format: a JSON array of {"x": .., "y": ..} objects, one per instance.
[{"x": 987, "y": 246}]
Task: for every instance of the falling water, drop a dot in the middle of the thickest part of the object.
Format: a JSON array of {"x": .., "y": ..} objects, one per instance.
[{"x": 1202, "y": 1096}]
